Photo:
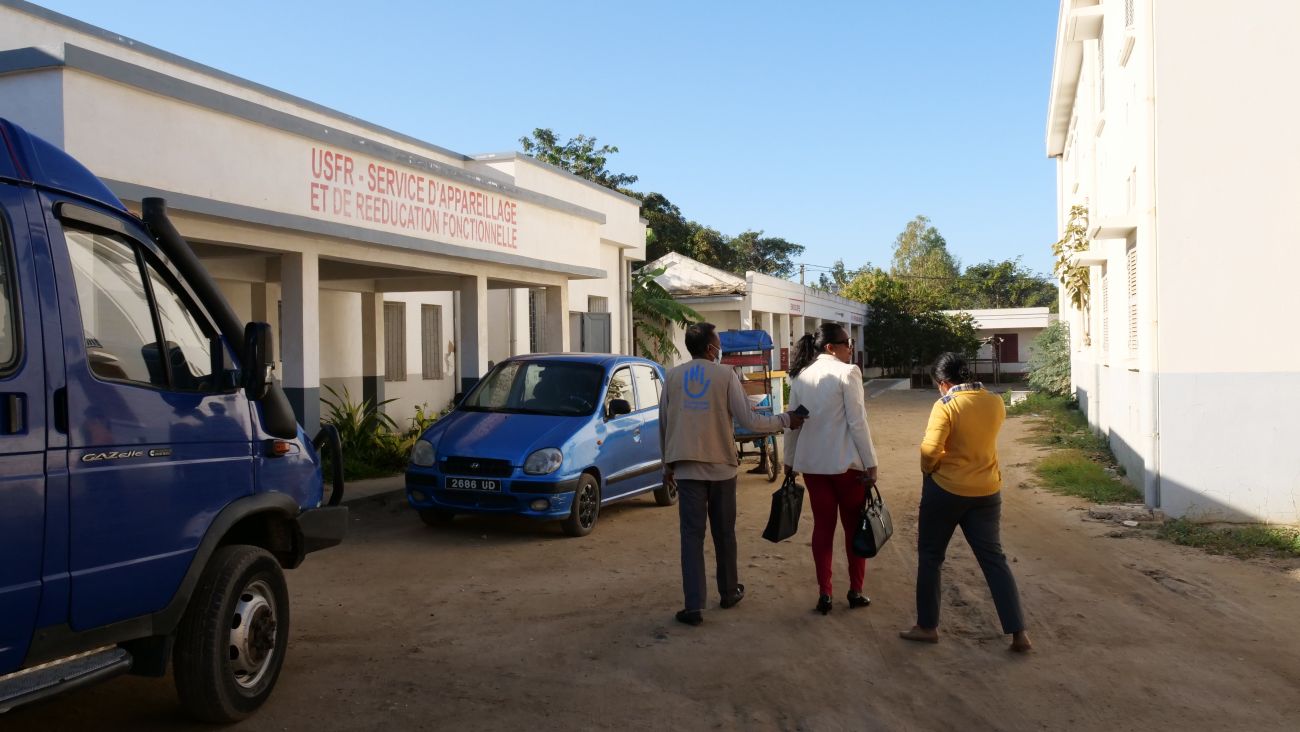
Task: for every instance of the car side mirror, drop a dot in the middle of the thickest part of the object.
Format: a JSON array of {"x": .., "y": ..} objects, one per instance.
[
  {"x": 257, "y": 366},
  {"x": 618, "y": 408}
]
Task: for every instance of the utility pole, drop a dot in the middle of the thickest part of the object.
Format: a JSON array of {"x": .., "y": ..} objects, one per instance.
[{"x": 802, "y": 267}]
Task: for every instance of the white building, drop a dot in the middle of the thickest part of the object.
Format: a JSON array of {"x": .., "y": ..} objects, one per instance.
[
  {"x": 1173, "y": 122},
  {"x": 786, "y": 310},
  {"x": 1008, "y": 335},
  {"x": 388, "y": 265}
]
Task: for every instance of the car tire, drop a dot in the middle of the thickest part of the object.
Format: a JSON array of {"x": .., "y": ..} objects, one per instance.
[
  {"x": 586, "y": 507},
  {"x": 231, "y": 642},
  {"x": 666, "y": 496},
  {"x": 436, "y": 516}
]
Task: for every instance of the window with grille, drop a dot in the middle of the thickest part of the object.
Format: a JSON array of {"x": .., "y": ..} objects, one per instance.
[
  {"x": 1105, "y": 312},
  {"x": 431, "y": 341},
  {"x": 1128, "y": 13},
  {"x": 1132, "y": 299},
  {"x": 395, "y": 341}
]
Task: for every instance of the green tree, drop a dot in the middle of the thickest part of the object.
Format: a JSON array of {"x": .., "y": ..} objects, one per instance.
[
  {"x": 579, "y": 156},
  {"x": 1049, "y": 365},
  {"x": 922, "y": 260},
  {"x": 709, "y": 246},
  {"x": 654, "y": 315},
  {"x": 1075, "y": 277},
  {"x": 1006, "y": 284},
  {"x": 903, "y": 330},
  {"x": 838, "y": 278},
  {"x": 769, "y": 255},
  {"x": 666, "y": 229}
]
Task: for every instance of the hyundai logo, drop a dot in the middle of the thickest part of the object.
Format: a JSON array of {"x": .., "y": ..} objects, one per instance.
[{"x": 473, "y": 466}]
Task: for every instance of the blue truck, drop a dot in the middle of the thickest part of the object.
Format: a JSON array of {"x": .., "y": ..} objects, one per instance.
[{"x": 154, "y": 481}]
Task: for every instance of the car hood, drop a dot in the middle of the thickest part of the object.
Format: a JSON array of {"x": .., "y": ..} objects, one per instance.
[{"x": 500, "y": 436}]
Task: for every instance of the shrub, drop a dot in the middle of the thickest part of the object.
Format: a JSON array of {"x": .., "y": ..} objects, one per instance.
[
  {"x": 1049, "y": 366},
  {"x": 372, "y": 443}
]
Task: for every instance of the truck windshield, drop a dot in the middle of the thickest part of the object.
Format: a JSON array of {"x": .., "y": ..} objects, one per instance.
[{"x": 538, "y": 387}]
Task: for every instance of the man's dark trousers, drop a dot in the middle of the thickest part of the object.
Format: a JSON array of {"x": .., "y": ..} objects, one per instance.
[
  {"x": 980, "y": 520},
  {"x": 714, "y": 501}
]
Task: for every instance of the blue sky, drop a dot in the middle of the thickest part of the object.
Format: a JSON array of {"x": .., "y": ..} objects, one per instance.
[{"x": 828, "y": 123}]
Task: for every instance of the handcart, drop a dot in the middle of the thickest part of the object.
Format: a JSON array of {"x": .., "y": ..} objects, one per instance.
[{"x": 750, "y": 353}]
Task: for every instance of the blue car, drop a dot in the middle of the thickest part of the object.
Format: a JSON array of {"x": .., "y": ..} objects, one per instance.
[{"x": 545, "y": 436}]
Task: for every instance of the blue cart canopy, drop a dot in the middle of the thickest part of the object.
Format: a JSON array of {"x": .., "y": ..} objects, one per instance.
[{"x": 745, "y": 341}]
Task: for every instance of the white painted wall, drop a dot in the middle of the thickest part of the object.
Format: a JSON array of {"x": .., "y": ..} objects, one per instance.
[{"x": 1193, "y": 154}]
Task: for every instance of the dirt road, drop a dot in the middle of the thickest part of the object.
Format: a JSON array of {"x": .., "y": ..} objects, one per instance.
[{"x": 496, "y": 624}]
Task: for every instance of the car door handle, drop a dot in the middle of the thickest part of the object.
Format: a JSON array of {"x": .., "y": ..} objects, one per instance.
[{"x": 13, "y": 413}]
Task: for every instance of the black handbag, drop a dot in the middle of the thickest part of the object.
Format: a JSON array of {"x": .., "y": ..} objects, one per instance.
[
  {"x": 874, "y": 527},
  {"x": 787, "y": 503}
]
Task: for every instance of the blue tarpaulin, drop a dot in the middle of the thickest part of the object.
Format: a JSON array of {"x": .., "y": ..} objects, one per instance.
[{"x": 745, "y": 341}]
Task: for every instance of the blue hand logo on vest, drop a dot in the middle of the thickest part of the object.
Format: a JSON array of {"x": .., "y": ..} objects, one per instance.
[{"x": 696, "y": 385}]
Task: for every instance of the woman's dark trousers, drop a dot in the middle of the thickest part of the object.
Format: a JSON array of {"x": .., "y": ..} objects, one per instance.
[{"x": 980, "y": 520}]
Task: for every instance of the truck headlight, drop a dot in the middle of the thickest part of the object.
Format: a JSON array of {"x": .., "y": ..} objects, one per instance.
[
  {"x": 422, "y": 454},
  {"x": 544, "y": 461}
]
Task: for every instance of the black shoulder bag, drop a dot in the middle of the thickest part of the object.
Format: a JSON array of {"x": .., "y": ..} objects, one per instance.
[
  {"x": 787, "y": 504},
  {"x": 874, "y": 527}
]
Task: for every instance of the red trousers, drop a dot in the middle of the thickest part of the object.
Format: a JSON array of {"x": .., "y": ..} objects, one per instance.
[{"x": 830, "y": 495}]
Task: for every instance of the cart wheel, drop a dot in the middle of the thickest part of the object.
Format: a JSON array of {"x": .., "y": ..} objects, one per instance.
[{"x": 773, "y": 459}]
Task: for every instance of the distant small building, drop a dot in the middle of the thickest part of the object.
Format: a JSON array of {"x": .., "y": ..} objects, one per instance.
[
  {"x": 786, "y": 310},
  {"x": 1008, "y": 340}
]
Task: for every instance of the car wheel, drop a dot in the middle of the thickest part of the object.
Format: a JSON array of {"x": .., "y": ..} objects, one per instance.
[
  {"x": 436, "y": 516},
  {"x": 586, "y": 508},
  {"x": 665, "y": 495},
  {"x": 231, "y": 642}
]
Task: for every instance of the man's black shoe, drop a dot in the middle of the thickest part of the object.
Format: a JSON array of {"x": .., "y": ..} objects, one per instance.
[
  {"x": 690, "y": 617},
  {"x": 734, "y": 600}
]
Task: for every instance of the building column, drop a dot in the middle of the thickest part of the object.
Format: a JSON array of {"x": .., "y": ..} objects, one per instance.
[
  {"x": 472, "y": 350},
  {"x": 557, "y": 318},
  {"x": 372, "y": 347},
  {"x": 519, "y": 330},
  {"x": 747, "y": 314},
  {"x": 769, "y": 325},
  {"x": 300, "y": 331}
]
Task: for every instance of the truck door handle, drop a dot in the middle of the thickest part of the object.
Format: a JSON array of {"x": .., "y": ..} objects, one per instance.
[{"x": 14, "y": 414}]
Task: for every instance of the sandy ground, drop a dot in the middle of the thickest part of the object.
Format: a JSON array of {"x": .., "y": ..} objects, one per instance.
[{"x": 495, "y": 624}]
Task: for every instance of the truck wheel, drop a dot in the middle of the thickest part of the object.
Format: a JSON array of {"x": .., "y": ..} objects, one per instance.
[
  {"x": 586, "y": 508},
  {"x": 231, "y": 642},
  {"x": 436, "y": 516}
]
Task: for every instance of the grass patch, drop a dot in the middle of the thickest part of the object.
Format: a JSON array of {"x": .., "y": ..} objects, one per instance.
[
  {"x": 1074, "y": 473},
  {"x": 1082, "y": 464},
  {"x": 1238, "y": 541}
]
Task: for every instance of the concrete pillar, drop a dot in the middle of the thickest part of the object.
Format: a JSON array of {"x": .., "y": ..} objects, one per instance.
[
  {"x": 372, "y": 347},
  {"x": 472, "y": 350},
  {"x": 557, "y": 318},
  {"x": 519, "y": 322},
  {"x": 769, "y": 325},
  {"x": 747, "y": 314},
  {"x": 300, "y": 329}
]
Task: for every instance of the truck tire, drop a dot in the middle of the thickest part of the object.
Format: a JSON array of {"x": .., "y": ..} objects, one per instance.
[{"x": 231, "y": 642}]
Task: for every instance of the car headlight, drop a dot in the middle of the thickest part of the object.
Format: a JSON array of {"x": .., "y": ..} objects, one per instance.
[
  {"x": 544, "y": 461},
  {"x": 422, "y": 454}
]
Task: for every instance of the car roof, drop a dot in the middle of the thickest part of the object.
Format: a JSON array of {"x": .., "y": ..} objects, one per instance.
[{"x": 597, "y": 359}]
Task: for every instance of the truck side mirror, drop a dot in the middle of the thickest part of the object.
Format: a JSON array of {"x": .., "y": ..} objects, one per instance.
[
  {"x": 257, "y": 366},
  {"x": 618, "y": 408}
]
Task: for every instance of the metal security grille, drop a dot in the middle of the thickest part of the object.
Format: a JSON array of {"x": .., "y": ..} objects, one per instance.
[
  {"x": 1132, "y": 299},
  {"x": 1128, "y": 13},
  {"x": 431, "y": 341},
  {"x": 395, "y": 341},
  {"x": 1101, "y": 71}
]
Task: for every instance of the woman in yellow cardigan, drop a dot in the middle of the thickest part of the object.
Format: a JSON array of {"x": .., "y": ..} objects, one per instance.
[{"x": 962, "y": 487}]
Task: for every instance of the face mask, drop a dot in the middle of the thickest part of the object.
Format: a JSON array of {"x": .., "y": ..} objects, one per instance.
[{"x": 718, "y": 358}]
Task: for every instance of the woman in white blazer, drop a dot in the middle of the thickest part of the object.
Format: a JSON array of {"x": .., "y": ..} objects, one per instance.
[{"x": 832, "y": 450}]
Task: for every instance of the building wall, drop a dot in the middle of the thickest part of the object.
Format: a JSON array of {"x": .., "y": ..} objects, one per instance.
[{"x": 1190, "y": 163}]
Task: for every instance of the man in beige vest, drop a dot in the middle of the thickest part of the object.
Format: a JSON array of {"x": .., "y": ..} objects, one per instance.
[{"x": 699, "y": 401}]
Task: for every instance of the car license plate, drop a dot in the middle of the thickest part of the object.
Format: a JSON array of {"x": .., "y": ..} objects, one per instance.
[{"x": 473, "y": 484}]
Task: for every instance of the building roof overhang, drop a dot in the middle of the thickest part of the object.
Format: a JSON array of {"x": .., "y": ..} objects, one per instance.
[{"x": 1079, "y": 21}]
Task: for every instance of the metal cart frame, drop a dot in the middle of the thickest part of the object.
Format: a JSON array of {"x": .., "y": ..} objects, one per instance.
[{"x": 751, "y": 352}]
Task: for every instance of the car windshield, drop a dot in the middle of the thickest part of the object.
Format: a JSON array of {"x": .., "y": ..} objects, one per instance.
[{"x": 538, "y": 387}]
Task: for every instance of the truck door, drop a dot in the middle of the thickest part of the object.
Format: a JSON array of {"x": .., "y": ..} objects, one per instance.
[
  {"x": 22, "y": 436},
  {"x": 159, "y": 435}
]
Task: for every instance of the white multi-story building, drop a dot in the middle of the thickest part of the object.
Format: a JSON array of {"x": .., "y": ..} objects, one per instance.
[{"x": 1173, "y": 122}]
